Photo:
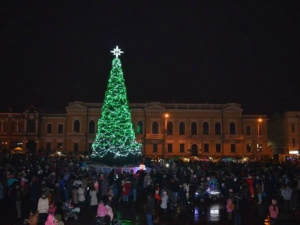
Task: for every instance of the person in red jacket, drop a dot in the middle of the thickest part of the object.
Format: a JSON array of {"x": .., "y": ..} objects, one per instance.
[
  {"x": 250, "y": 182},
  {"x": 126, "y": 191}
]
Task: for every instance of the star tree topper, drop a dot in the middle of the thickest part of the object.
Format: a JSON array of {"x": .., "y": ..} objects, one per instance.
[{"x": 117, "y": 52}]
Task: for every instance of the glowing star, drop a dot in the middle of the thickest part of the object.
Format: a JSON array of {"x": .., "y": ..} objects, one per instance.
[{"x": 117, "y": 52}]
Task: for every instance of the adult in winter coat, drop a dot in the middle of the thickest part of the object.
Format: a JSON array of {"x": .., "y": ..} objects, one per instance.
[
  {"x": 164, "y": 201},
  {"x": 149, "y": 207},
  {"x": 93, "y": 196},
  {"x": 18, "y": 199},
  {"x": 43, "y": 207},
  {"x": 259, "y": 190},
  {"x": 81, "y": 195},
  {"x": 229, "y": 208},
  {"x": 74, "y": 196},
  {"x": 250, "y": 183}
]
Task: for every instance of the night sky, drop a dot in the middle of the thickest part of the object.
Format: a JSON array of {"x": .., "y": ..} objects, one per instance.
[{"x": 54, "y": 52}]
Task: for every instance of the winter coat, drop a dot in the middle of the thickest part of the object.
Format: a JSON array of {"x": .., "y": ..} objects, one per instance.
[
  {"x": 149, "y": 206},
  {"x": 228, "y": 205},
  {"x": 50, "y": 220},
  {"x": 81, "y": 194},
  {"x": 75, "y": 196},
  {"x": 94, "y": 199},
  {"x": 110, "y": 212},
  {"x": 43, "y": 205},
  {"x": 126, "y": 188},
  {"x": 104, "y": 187},
  {"x": 273, "y": 213},
  {"x": 164, "y": 201},
  {"x": 286, "y": 193},
  {"x": 102, "y": 210}
]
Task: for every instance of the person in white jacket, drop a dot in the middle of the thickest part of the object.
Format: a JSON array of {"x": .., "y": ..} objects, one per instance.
[
  {"x": 43, "y": 207},
  {"x": 81, "y": 195}
]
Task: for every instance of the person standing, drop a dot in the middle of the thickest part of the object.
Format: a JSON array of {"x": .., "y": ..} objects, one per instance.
[
  {"x": 18, "y": 200},
  {"x": 259, "y": 190},
  {"x": 286, "y": 193},
  {"x": 93, "y": 197},
  {"x": 149, "y": 208},
  {"x": 43, "y": 207},
  {"x": 273, "y": 210},
  {"x": 229, "y": 208},
  {"x": 81, "y": 195},
  {"x": 164, "y": 202}
]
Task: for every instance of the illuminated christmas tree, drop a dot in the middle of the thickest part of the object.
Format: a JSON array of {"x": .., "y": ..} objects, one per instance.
[{"x": 115, "y": 142}]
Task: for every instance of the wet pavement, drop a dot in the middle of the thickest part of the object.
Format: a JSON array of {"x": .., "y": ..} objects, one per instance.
[{"x": 209, "y": 212}]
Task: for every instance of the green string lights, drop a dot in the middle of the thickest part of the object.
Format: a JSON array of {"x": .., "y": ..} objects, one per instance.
[{"x": 115, "y": 142}]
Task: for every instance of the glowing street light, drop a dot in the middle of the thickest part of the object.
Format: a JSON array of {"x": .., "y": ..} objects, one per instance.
[
  {"x": 166, "y": 115},
  {"x": 259, "y": 132}
]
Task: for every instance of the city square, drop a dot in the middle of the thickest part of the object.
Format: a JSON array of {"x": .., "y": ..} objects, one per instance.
[{"x": 150, "y": 113}]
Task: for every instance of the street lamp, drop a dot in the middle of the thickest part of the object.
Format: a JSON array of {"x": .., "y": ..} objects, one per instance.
[
  {"x": 166, "y": 115},
  {"x": 259, "y": 121}
]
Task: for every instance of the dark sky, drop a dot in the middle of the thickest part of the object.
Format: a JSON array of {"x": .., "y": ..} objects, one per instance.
[{"x": 54, "y": 52}]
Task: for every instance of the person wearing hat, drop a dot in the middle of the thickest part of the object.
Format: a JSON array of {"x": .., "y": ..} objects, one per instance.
[{"x": 273, "y": 210}]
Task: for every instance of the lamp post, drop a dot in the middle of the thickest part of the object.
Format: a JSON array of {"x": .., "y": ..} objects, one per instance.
[
  {"x": 259, "y": 121},
  {"x": 166, "y": 116}
]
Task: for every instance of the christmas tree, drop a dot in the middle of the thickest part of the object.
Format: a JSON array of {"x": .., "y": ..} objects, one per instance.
[{"x": 115, "y": 142}]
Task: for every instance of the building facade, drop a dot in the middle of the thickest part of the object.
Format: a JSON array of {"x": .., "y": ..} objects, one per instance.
[
  {"x": 163, "y": 129},
  {"x": 284, "y": 133}
]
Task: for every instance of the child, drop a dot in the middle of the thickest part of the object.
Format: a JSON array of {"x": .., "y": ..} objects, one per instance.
[
  {"x": 52, "y": 209},
  {"x": 273, "y": 209}
]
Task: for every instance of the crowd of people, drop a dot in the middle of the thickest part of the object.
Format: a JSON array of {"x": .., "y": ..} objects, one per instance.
[{"x": 43, "y": 184}]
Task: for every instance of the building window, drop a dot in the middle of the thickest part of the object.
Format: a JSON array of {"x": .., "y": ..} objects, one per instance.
[
  {"x": 76, "y": 147},
  {"x": 91, "y": 127},
  {"x": 259, "y": 147},
  {"x": 170, "y": 147},
  {"x": 155, "y": 147},
  {"x": 232, "y": 128},
  {"x": 30, "y": 126},
  {"x": 181, "y": 128},
  {"x": 194, "y": 128},
  {"x": 181, "y": 147},
  {"x": 232, "y": 147},
  {"x": 154, "y": 128},
  {"x": 76, "y": 126},
  {"x": 248, "y": 130},
  {"x": 170, "y": 128},
  {"x": 294, "y": 142},
  {"x": 218, "y": 148},
  {"x": 139, "y": 127},
  {"x": 49, "y": 128},
  {"x": 217, "y": 128},
  {"x": 60, "y": 128},
  {"x": 206, "y": 147},
  {"x": 48, "y": 146},
  {"x": 205, "y": 128},
  {"x": 293, "y": 128},
  {"x": 248, "y": 147}
]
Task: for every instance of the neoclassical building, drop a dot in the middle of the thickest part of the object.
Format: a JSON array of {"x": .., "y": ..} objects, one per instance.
[{"x": 163, "y": 129}]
